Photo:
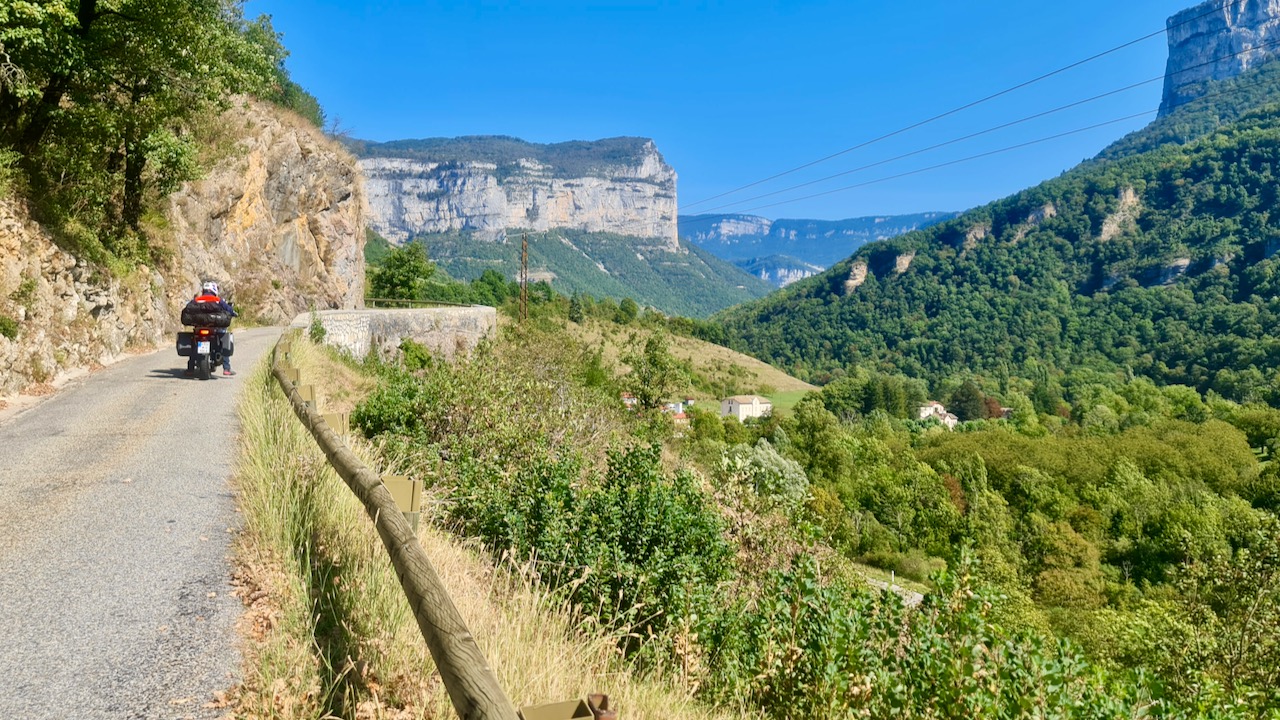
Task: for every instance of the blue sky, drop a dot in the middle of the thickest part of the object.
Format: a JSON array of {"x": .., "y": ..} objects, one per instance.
[{"x": 733, "y": 92}]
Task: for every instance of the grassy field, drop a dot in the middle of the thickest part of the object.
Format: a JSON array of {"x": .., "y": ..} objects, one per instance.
[
  {"x": 719, "y": 364},
  {"x": 784, "y": 401}
]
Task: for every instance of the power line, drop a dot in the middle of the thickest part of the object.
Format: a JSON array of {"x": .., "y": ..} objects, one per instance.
[
  {"x": 956, "y": 162},
  {"x": 997, "y": 127},
  {"x": 967, "y": 106},
  {"x": 1199, "y": 100}
]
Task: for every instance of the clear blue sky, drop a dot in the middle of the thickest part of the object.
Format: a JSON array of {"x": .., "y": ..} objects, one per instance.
[{"x": 733, "y": 92}]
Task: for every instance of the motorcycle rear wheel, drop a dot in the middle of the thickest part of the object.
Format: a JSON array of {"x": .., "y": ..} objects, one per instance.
[{"x": 202, "y": 367}]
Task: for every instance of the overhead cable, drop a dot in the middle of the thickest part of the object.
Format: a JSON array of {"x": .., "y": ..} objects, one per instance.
[{"x": 968, "y": 105}]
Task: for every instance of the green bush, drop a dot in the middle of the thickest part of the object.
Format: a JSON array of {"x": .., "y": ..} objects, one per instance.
[
  {"x": 8, "y": 327},
  {"x": 634, "y": 547},
  {"x": 316, "y": 330},
  {"x": 810, "y": 648}
]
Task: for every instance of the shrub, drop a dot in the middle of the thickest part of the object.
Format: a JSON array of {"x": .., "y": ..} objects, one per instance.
[
  {"x": 316, "y": 330},
  {"x": 777, "y": 481},
  {"x": 634, "y": 546},
  {"x": 8, "y": 327},
  {"x": 810, "y": 648}
]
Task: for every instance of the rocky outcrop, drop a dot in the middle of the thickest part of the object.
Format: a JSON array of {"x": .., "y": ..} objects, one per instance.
[
  {"x": 857, "y": 276},
  {"x": 280, "y": 222},
  {"x": 629, "y": 196},
  {"x": 58, "y": 313},
  {"x": 1123, "y": 218},
  {"x": 1215, "y": 41}
]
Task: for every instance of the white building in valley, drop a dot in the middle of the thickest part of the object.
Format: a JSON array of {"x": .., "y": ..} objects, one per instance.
[{"x": 745, "y": 406}]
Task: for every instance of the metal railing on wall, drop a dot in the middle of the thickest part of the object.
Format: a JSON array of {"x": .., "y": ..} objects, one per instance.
[{"x": 400, "y": 303}]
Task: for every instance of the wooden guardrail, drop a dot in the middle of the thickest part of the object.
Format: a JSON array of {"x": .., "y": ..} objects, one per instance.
[{"x": 472, "y": 688}]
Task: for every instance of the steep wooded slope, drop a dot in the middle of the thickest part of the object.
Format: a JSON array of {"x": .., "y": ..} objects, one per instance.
[{"x": 1161, "y": 262}]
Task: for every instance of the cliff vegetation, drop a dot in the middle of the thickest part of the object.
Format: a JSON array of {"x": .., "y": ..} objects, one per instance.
[{"x": 578, "y": 158}]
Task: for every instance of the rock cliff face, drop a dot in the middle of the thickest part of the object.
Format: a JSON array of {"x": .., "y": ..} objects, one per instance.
[
  {"x": 1217, "y": 40},
  {"x": 628, "y": 194},
  {"x": 279, "y": 223}
]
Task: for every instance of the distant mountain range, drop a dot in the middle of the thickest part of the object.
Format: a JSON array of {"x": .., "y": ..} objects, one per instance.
[{"x": 783, "y": 251}]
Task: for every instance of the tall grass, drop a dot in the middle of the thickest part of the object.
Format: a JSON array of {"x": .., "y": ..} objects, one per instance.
[{"x": 331, "y": 633}]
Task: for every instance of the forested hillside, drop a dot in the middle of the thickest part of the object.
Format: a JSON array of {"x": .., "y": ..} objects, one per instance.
[
  {"x": 1161, "y": 264},
  {"x": 690, "y": 281}
]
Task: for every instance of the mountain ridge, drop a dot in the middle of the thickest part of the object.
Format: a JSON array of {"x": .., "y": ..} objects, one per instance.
[{"x": 743, "y": 238}]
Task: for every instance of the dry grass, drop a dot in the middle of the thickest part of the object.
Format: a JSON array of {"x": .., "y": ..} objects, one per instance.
[
  {"x": 705, "y": 358},
  {"x": 328, "y": 629}
]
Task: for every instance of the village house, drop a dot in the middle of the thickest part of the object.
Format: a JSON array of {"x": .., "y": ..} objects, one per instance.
[
  {"x": 934, "y": 410},
  {"x": 745, "y": 406}
]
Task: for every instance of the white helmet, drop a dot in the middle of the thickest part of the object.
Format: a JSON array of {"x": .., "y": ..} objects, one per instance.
[{"x": 209, "y": 287}]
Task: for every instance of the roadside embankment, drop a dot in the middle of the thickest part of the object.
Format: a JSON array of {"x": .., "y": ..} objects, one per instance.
[{"x": 328, "y": 627}]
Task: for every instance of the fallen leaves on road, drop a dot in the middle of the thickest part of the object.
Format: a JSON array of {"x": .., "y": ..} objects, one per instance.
[{"x": 38, "y": 389}]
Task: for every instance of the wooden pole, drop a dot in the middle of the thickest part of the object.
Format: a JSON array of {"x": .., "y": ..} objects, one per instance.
[
  {"x": 524, "y": 276},
  {"x": 467, "y": 677}
]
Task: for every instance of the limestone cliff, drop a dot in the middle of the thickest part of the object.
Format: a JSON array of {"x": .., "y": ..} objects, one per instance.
[
  {"x": 1215, "y": 41},
  {"x": 485, "y": 186},
  {"x": 279, "y": 221}
]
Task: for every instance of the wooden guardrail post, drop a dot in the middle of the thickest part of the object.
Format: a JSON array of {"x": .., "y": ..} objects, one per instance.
[{"x": 472, "y": 688}]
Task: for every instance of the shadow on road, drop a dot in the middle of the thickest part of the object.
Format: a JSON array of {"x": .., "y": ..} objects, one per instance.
[{"x": 175, "y": 373}]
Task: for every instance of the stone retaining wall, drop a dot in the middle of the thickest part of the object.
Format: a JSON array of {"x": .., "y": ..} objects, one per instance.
[{"x": 446, "y": 331}]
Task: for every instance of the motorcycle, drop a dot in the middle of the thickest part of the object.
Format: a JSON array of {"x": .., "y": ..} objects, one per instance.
[{"x": 208, "y": 341}]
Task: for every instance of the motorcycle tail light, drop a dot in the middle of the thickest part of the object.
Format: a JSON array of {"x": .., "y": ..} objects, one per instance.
[{"x": 204, "y": 332}]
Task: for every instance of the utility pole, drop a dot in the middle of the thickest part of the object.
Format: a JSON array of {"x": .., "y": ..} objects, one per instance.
[{"x": 524, "y": 276}]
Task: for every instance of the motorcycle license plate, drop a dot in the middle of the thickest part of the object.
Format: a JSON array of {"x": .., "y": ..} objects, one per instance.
[{"x": 202, "y": 347}]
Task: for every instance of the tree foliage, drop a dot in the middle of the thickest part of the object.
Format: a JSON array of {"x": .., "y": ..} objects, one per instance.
[{"x": 101, "y": 99}]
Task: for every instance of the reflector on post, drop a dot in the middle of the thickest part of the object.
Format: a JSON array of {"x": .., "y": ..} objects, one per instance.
[
  {"x": 407, "y": 494},
  {"x": 308, "y": 394},
  {"x": 338, "y": 422}
]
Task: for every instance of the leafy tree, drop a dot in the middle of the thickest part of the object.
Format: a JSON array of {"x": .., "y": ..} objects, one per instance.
[
  {"x": 967, "y": 402},
  {"x": 404, "y": 275},
  {"x": 576, "y": 313},
  {"x": 627, "y": 312},
  {"x": 106, "y": 91},
  {"x": 654, "y": 373}
]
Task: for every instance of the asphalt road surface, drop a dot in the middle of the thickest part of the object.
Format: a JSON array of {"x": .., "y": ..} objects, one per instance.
[{"x": 116, "y": 516}]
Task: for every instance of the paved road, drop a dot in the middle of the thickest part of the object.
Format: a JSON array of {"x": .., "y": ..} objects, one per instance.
[{"x": 115, "y": 521}]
